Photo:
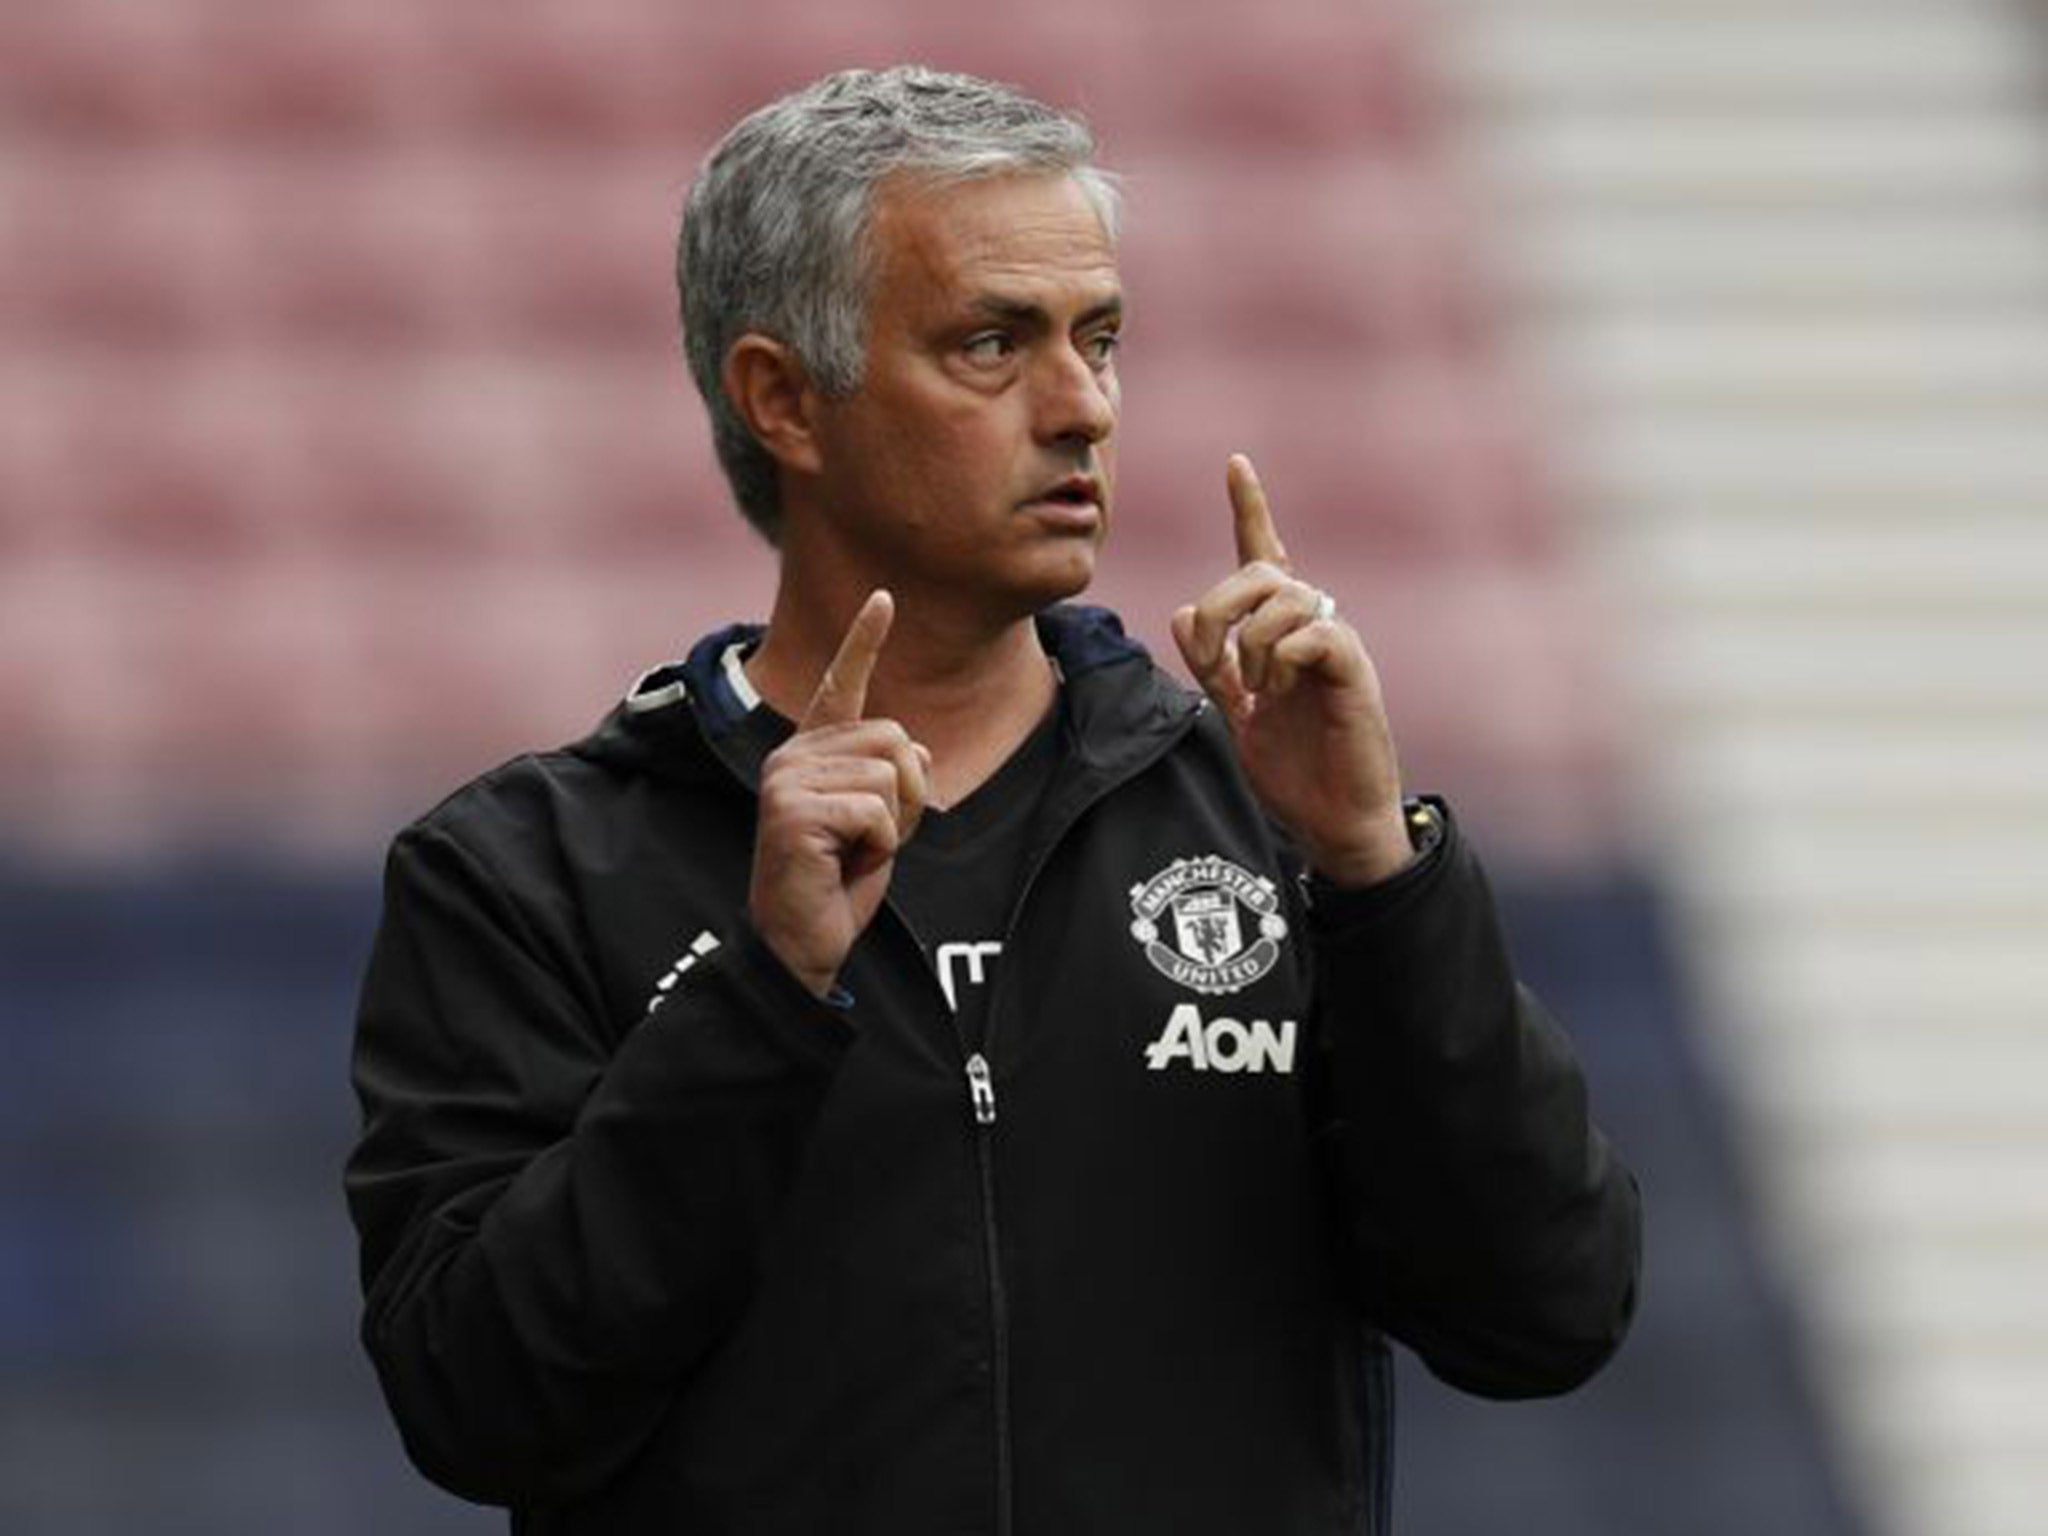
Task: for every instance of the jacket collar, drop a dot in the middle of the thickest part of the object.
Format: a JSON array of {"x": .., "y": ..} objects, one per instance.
[{"x": 687, "y": 718}]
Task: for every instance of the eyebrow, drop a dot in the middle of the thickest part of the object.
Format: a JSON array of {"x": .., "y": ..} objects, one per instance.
[{"x": 1018, "y": 312}]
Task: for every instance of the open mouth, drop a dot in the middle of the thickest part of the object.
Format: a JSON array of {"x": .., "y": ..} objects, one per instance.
[{"x": 1077, "y": 491}]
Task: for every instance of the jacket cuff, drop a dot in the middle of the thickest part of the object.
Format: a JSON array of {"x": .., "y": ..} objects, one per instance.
[
  {"x": 1337, "y": 909},
  {"x": 820, "y": 1028}
]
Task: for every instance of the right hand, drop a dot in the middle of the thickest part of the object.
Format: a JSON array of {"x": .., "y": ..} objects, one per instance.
[{"x": 837, "y": 800}]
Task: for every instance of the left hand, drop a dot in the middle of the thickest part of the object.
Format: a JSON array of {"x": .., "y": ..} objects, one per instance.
[{"x": 1302, "y": 699}]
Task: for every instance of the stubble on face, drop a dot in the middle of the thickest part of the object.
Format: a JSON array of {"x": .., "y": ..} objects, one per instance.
[{"x": 977, "y": 457}]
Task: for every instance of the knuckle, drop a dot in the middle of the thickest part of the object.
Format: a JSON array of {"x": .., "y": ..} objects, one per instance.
[{"x": 879, "y": 816}]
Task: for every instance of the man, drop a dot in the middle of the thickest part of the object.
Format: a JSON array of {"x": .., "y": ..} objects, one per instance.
[{"x": 917, "y": 1068}]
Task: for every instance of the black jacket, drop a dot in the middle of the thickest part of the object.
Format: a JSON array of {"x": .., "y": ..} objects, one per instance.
[{"x": 654, "y": 1240}]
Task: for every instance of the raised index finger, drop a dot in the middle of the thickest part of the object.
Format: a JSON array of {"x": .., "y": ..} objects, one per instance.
[
  {"x": 843, "y": 691},
  {"x": 1257, "y": 538}
]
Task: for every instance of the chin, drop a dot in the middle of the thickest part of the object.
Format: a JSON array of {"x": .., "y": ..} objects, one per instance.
[
  {"x": 1046, "y": 583},
  {"x": 1066, "y": 572}
]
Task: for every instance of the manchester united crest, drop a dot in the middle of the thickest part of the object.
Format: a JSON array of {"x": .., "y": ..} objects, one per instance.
[{"x": 1209, "y": 924}]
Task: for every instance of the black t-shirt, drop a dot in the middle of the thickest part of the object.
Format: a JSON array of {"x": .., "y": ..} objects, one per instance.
[{"x": 959, "y": 877}]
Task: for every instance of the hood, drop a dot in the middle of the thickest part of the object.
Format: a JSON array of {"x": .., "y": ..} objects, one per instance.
[{"x": 681, "y": 719}]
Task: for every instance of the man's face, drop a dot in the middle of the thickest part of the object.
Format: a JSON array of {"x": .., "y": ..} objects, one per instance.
[{"x": 976, "y": 458}]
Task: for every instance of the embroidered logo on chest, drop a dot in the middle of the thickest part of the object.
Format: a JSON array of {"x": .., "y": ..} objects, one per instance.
[{"x": 1208, "y": 924}]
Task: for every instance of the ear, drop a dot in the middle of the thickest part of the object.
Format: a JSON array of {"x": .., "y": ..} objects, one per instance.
[{"x": 768, "y": 386}]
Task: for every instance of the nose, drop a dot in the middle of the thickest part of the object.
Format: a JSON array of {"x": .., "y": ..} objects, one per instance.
[{"x": 1077, "y": 400}]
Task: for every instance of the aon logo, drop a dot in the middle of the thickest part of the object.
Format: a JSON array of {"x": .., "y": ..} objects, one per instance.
[{"x": 1222, "y": 1045}]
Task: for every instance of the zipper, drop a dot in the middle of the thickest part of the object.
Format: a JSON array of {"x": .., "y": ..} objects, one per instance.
[
  {"x": 981, "y": 1089},
  {"x": 981, "y": 1099},
  {"x": 981, "y": 1092}
]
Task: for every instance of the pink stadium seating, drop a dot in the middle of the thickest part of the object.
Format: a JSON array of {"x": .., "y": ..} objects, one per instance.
[
  {"x": 594, "y": 269},
  {"x": 1426, "y": 463},
  {"x": 1377, "y": 259},
  {"x": 155, "y": 467},
  {"x": 91, "y": 72},
  {"x": 343, "y": 340}
]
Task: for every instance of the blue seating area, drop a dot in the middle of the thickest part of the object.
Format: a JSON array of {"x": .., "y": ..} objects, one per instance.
[{"x": 177, "y": 1298}]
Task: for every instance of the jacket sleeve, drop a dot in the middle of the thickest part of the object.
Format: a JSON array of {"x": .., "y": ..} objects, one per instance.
[
  {"x": 1493, "y": 1229},
  {"x": 555, "y": 1223}
]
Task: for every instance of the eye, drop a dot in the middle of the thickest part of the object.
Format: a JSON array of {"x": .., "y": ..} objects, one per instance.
[
  {"x": 1102, "y": 347},
  {"x": 988, "y": 347}
]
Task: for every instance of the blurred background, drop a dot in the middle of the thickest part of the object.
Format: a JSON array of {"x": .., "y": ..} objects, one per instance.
[{"x": 1660, "y": 386}]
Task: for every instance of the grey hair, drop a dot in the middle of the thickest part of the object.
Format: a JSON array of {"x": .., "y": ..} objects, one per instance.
[{"x": 775, "y": 229}]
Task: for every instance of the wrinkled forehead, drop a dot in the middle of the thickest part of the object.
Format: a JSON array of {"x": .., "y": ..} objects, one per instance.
[{"x": 940, "y": 237}]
